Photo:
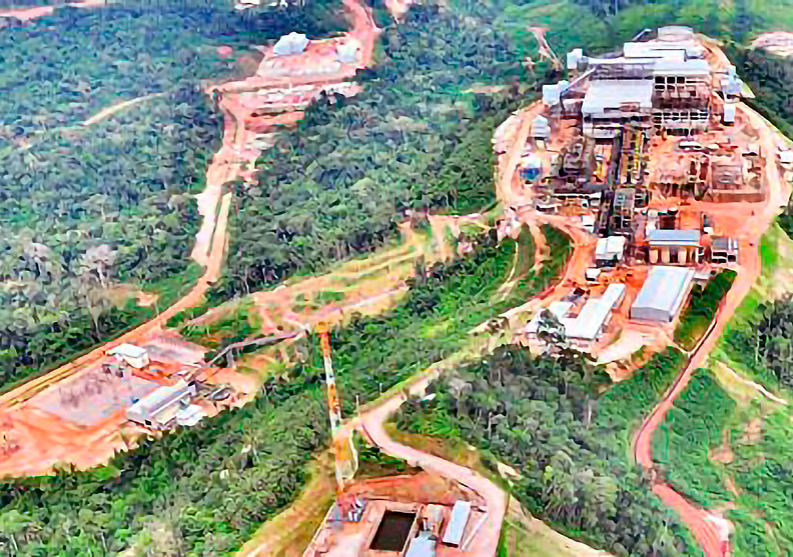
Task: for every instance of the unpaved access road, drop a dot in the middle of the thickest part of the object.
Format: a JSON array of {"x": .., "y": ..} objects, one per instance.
[
  {"x": 485, "y": 542},
  {"x": 229, "y": 163},
  {"x": 370, "y": 422},
  {"x": 712, "y": 531}
]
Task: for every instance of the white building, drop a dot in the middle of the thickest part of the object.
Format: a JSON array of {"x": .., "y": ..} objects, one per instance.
[
  {"x": 595, "y": 316},
  {"x": 610, "y": 104},
  {"x": 131, "y": 355},
  {"x": 663, "y": 294},
  {"x": 293, "y": 43},
  {"x": 540, "y": 129},
  {"x": 610, "y": 251},
  {"x": 664, "y": 83},
  {"x": 166, "y": 406}
]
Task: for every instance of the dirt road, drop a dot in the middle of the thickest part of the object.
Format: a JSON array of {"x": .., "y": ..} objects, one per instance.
[
  {"x": 711, "y": 530},
  {"x": 370, "y": 424},
  {"x": 230, "y": 162},
  {"x": 193, "y": 298},
  {"x": 35, "y": 12},
  {"x": 118, "y": 107}
]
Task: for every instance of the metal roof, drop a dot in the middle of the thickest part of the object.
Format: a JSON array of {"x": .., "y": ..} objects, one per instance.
[
  {"x": 590, "y": 321},
  {"x": 422, "y": 546},
  {"x": 457, "y": 523},
  {"x": 691, "y": 68},
  {"x": 128, "y": 350},
  {"x": 664, "y": 290},
  {"x": 724, "y": 243},
  {"x": 614, "y": 295},
  {"x": 150, "y": 405},
  {"x": 659, "y": 237},
  {"x": 190, "y": 415},
  {"x": 613, "y": 94},
  {"x": 654, "y": 50}
]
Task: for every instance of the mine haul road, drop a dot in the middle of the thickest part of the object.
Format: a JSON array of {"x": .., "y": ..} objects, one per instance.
[{"x": 713, "y": 531}]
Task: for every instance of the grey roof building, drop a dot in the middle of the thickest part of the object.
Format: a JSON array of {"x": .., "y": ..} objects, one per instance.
[
  {"x": 422, "y": 545},
  {"x": 159, "y": 409},
  {"x": 673, "y": 238},
  {"x": 457, "y": 523},
  {"x": 663, "y": 294}
]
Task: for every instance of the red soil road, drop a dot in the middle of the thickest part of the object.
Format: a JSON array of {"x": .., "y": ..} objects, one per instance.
[
  {"x": 364, "y": 30},
  {"x": 485, "y": 542},
  {"x": 706, "y": 526},
  {"x": 35, "y": 12},
  {"x": 711, "y": 531},
  {"x": 227, "y": 164},
  {"x": 193, "y": 298}
]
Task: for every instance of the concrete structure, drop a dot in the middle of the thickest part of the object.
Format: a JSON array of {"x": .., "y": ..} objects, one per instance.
[
  {"x": 724, "y": 250},
  {"x": 131, "y": 355},
  {"x": 660, "y": 84},
  {"x": 610, "y": 104},
  {"x": 610, "y": 251},
  {"x": 459, "y": 520},
  {"x": 159, "y": 409},
  {"x": 293, "y": 43},
  {"x": 574, "y": 58},
  {"x": 595, "y": 316},
  {"x": 674, "y": 246},
  {"x": 551, "y": 94},
  {"x": 663, "y": 294}
]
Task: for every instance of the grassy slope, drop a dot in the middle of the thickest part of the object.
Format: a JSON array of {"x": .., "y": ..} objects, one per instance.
[{"x": 705, "y": 415}]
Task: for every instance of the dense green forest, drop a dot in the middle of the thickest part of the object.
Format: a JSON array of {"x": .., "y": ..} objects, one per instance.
[
  {"x": 205, "y": 489},
  {"x": 543, "y": 417},
  {"x": 86, "y": 208},
  {"x": 413, "y": 140}
]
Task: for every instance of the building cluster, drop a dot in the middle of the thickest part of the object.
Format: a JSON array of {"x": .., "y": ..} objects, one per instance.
[
  {"x": 639, "y": 145},
  {"x": 403, "y": 516},
  {"x": 174, "y": 398}
]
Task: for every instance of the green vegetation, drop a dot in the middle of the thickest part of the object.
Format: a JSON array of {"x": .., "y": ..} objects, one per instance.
[
  {"x": 762, "y": 472},
  {"x": 206, "y": 489},
  {"x": 753, "y": 478},
  {"x": 542, "y": 417},
  {"x": 627, "y": 403},
  {"x": 764, "y": 343},
  {"x": 373, "y": 354},
  {"x": 86, "y": 208},
  {"x": 701, "y": 309},
  {"x": 238, "y": 324},
  {"x": 412, "y": 140},
  {"x": 692, "y": 430}
]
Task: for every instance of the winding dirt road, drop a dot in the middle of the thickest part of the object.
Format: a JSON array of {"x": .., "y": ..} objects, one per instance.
[
  {"x": 711, "y": 530},
  {"x": 485, "y": 542},
  {"x": 229, "y": 163}
]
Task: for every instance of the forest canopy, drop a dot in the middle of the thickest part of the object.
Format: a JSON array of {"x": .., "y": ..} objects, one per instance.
[{"x": 86, "y": 208}]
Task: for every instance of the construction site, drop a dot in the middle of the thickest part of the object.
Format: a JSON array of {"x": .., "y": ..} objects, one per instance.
[
  {"x": 661, "y": 176},
  {"x": 646, "y": 158},
  {"x": 132, "y": 390},
  {"x": 648, "y": 153}
]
